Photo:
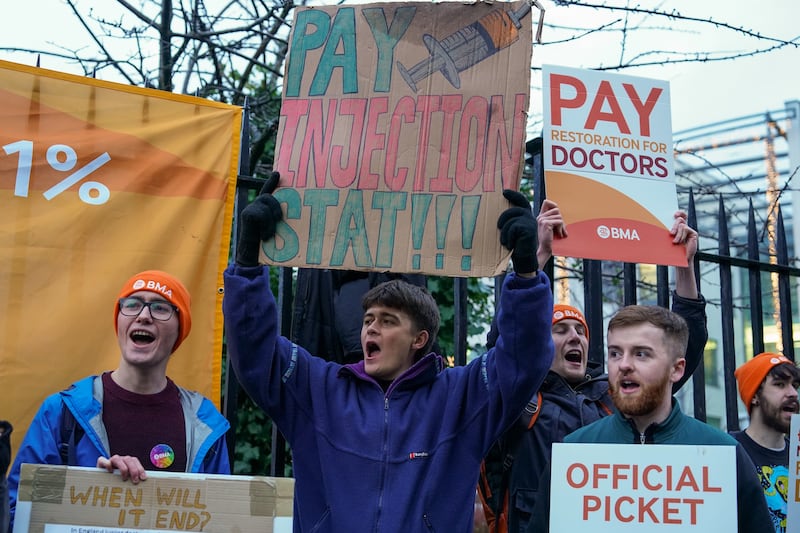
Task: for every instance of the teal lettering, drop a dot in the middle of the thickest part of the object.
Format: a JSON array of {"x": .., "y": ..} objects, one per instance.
[
  {"x": 444, "y": 210},
  {"x": 342, "y": 32},
  {"x": 389, "y": 203},
  {"x": 420, "y": 205},
  {"x": 319, "y": 200},
  {"x": 352, "y": 231},
  {"x": 470, "y": 207},
  {"x": 284, "y": 232},
  {"x": 310, "y": 30},
  {"x": 386, "y": 38}
]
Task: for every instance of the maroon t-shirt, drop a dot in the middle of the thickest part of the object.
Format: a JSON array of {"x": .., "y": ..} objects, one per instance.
[{"x": 147, "y": 426}]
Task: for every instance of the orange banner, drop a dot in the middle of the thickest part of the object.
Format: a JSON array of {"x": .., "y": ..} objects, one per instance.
[{"x": 99, "y": 181}]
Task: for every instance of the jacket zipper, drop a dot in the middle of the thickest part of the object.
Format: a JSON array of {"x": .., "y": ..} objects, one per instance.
[{"x": 385, "y": 459}]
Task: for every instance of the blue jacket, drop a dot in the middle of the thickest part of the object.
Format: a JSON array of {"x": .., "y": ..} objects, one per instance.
[
  {"x": 207, "y": 451},
  {"x": 405, "y": 460},
  {"x": 676, "y": 429}
]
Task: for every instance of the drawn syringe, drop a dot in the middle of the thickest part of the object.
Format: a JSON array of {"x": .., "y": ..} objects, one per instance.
[{"x": 466, "y": 47}]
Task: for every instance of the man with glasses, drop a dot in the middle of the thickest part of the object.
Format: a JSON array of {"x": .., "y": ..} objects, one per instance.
[{"x": 133, "y": 418}]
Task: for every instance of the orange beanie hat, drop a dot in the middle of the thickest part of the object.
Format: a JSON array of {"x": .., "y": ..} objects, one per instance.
[
  {"x": 167, "y": 286},
  {"x": 564, "y": 312},
  {"x": 750, "y": 375}
]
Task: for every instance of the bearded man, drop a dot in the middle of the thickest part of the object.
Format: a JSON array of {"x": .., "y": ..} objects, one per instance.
[
  {"x": 768, "y": 387},
  {"x": 646, "y": 347}
]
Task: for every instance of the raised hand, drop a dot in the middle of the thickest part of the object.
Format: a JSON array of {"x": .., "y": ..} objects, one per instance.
[
  {"x": 518, "y": 232},
  {"x": 258, "y": 222},
  {"x": 551, "y": 226}
]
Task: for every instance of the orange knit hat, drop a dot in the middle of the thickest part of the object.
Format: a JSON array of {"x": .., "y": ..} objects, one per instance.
[
  {"x": 564, "y": 312},
  {"x": 167, "y": 286},
  {"x": 750, "y": 375}
]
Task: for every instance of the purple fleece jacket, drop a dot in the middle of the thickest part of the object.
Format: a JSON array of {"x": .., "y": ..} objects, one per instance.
[{"x": 406, "y": 460}]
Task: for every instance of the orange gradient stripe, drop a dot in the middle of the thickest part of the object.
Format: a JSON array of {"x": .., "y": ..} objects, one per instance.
[
  {"x": 600, "y": 205},
  {"x": 135, "y": 166},
  {"x": 595, "y": 201}
]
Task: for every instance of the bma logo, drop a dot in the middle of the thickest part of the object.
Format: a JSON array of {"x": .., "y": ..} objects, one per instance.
[
  {"x": 604, "y": 232},
  {"x": 151, "y": 285}
]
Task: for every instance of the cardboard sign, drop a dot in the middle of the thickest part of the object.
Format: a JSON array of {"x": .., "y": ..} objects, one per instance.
[
  {"x": 60, "y": 499},
  {"x": 608, "y": 163},
  {"x": 616, "y": 488},
  {"x": 401, "y": 124}
]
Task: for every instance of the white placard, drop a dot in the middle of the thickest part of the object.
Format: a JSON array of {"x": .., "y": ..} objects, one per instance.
[
  {"x": 793, "y": 503},
  {"x": 616, "y": 488}
]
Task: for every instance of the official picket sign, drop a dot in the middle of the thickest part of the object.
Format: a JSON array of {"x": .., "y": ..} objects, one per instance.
[{"x": 616, "y": 488}]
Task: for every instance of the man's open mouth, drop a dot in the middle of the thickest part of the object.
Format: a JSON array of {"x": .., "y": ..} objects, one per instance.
[
  {"x": 627, "y": 385},
  {"x": 141, "y": 337},
  {"x": 790, "y": 407},
  {"x": 373, "y": 349}
]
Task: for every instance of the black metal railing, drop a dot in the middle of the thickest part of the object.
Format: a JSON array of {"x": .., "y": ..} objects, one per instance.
[{"x": 735, "y": 301}]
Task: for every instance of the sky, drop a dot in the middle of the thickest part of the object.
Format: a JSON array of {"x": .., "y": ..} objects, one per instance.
[{"x": 701, "y": 93}]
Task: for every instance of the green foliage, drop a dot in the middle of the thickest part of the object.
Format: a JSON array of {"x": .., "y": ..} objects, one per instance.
[
  {"x": 253, "y": 439},
  {"x": 480, "y": 296},
  {"x": 264, "y": 113}
]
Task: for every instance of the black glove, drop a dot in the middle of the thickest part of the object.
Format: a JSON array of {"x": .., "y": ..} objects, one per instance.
[
  {"x": 518, "y": 232},
  {"x": 258, "y": 222}
]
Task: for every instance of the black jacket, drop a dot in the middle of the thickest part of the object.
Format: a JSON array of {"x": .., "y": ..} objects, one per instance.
[
  {"x": 564, "y": 409},
  {"x": 5, "y": 460}
]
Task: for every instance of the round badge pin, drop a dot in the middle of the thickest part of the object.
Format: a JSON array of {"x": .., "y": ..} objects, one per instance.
[{"x": 162, "y": 456}]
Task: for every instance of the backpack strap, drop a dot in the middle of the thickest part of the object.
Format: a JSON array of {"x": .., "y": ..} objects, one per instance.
[
  {"x": 532, "y": 409},
  {"x": 524, "y": 423},
  {"x": 71, "y": 432},
  {"x": 495, "y": 502}
]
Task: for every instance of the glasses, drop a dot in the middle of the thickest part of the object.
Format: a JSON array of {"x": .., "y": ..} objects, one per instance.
[{"x": 158, "y": 310}]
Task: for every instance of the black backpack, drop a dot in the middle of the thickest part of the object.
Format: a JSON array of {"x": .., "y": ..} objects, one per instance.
[
  {"x": 5, "y": 446},
  {"x": 71, "y": 433},
  {"x": 496, "y": 467}
]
